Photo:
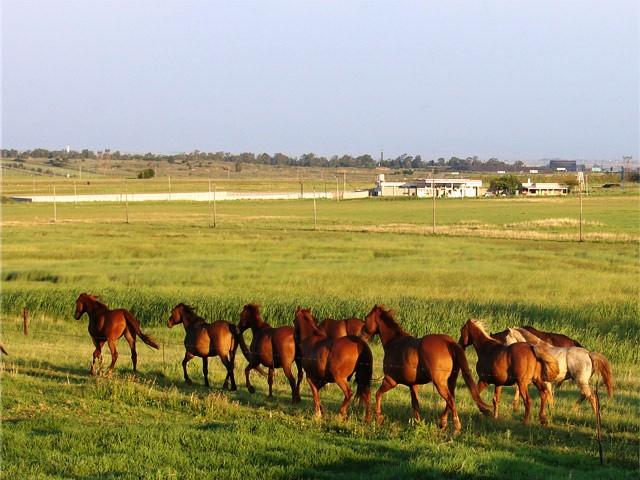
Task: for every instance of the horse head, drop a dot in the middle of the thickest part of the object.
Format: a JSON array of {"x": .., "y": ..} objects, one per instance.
[
  {"x": 249, "y": 317},
  {"x": 370, "y": 327},
  {"x": 81, "y": 305},
  {"x": 305, "y": 324},
  {"x": 177, "y": 315}
]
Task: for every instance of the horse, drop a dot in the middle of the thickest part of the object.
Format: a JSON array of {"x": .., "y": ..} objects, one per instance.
[
  {"x": 341, "y": 328},
  {"x": 206, "y": 340},
  {"x": 500, "y": 365},
  {"x": 271, "y": 347},
  {"x": 108, "y": 326},
  {"x": 415, "y": 361},
  {"x": 554, "y": 339},
  {"x": 575, "y": 363},
  {"x": 328, "y": 360}
]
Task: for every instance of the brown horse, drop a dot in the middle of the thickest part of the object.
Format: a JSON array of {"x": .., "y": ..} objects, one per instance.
[
  {"x": 271, "y": 347},
  {"x": 327, "y": 360},
  {"x": 555, "y": 339},
  {"x": 519, "y": 363},
  {"x": 341, "y": 328},
  {"x": 108, "y": 326},
  {"x": 206, "y": 340},
  {"x": 415, "y": 361}
]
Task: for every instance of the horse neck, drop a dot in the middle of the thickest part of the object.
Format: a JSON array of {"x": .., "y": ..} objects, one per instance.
[
  {"x": 258, "y": 324},
  {"x": 93, "y": 309},
  {"x": 388, "y": 332},
  {"x": 309, "y": 334},
  {"x": 482, "y": 341},
  {"x": 191, "y": 320}
]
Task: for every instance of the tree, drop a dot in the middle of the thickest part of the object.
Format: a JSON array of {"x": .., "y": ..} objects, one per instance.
[
  {"x": 507, "y": 184},
  {"x": 147, "y": 173}
]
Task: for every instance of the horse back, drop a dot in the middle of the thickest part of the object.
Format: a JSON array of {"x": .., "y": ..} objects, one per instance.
[
  {"x": 108, "y": 324},
  {"x": 555, "y": 339},
  {"x": 354, "y": 326}
]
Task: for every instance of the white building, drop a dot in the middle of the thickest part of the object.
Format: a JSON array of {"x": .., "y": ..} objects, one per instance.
[
  {"x": 443, "y": 187},
  {"x": 536, "y": 189}
]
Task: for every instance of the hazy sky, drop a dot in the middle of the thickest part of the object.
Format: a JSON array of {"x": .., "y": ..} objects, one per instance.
[{"x": 512, "y": 79}]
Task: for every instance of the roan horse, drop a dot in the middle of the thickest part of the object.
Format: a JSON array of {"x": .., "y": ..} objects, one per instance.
[
  {"x": 206, "y": 340},
  {"x": 574, "y": 363},
  {"x": 500, "y": 365},
  {"x": 415, "y": 361},
  {"x": 554, "y": 339},
  {"x": 108, "y": 326},
  {"x": 271, "y": 347},
  {"x": 326, "y": 360},
  {"x": 341, "y": 328}
]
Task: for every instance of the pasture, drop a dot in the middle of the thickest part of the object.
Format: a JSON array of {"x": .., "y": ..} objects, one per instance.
[{"x": 510, "y": 262}]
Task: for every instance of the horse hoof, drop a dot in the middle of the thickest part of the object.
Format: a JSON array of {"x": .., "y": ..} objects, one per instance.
[
  {"x": 233, "y": 388},
  {"x": 187, "y": 381},
  {"x": 380, "y": 419},
  {"x": 251, "y": 389}
]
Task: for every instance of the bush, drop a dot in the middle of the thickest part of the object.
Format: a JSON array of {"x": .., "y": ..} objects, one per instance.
[{"x": 147, "y": 173}]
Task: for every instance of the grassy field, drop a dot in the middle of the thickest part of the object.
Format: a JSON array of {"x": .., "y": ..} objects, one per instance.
[{"x": 507, "y": 261}]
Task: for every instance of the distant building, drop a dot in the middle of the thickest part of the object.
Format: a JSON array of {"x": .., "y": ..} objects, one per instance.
[
  {"x": 442, "y": 187},
  {"x": 563, "y": 165},
  {"x": 596, "y": 169},
  {"x": 543, "y": 189}
]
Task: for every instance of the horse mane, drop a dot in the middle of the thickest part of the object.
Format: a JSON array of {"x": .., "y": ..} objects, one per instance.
[
  {"x": 530, "y": 337},
  {"x": 94, "y": 299},
  {"x": 253, "y": 307},
  {"x": 313, "y": 322},
  {"x": 190, "y": 311},
  {"x": 388, "y": 317},
  {"x": 482, "y": 326}
]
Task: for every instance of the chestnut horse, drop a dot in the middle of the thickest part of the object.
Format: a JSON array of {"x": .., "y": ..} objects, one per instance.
[
  {"x": 108, "y": 326},
  {"x": 341, "y": 328},
  {"x": 327, "y": 360},
  {"x": 415, "y": 361},
  {"x": 519, "y": 363},
  {"x": 206, "y": 340},
  {"x": 271, "y": 347},
  {"x": 554, "y": 339}
]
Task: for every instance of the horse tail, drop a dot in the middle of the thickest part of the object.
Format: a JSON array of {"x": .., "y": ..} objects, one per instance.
[
  {"x": 364, "y": 372},
  {"x": 239, "y": 342},
  {"x": 460, "y": 361},
  {"x": 134, "y": 325},
  {"x": 550, "y": 367},
  {"x": 601, "y": 366},
  {"x": 3, "y": 350}
]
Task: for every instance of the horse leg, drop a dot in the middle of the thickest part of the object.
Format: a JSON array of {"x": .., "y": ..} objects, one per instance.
[
  {"x": 444, "y": 391},
  {"x": 114, "y": 354},
  {"x": 516, "y": 399},
  {"x": 270, "y": 381},
  {"x": 496, "y": 400},
  {"x": 545, "y": 393},
  {"x": 585, "y": 392},
  {"x": 451, "y": 383},
  {"x": 292, "y": 382},
  {"x": 344, "y": 386},
  {"x": 226, "y": 361},
  {"x": 97, "y": 355},
  {"x": 415, "y": 404},
  {"x": 247, "y": 370},
  {"x": 300, "y": 376},
  {"x": 187, "y": 356},
  {"x": 131, "y": 340},
  {"x": 481, "y": 386},
  {"x": 523, "y": 386},
  {"x": 317, "y": 410},
  {"x": 387, "y": 384},
  {"x": 205, "y": 370}
]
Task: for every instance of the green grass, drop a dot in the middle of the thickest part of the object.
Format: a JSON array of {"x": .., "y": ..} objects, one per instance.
[{"x": 57, "y": 421}]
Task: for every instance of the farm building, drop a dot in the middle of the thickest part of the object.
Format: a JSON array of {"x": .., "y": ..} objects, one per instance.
[
  {"x": 533, "y": 189},
  {"x": 444, "y": 187}
]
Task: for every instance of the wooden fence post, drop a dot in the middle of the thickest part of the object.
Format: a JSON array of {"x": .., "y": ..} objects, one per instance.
[
  {"x": 315, "y": 211},
  {"x": 25, "y": 321}
]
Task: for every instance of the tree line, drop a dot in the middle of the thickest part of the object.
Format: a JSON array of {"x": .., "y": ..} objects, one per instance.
[{"x": 405, "y": 161}]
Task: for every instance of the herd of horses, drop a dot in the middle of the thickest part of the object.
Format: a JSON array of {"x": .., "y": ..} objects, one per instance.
[{"x": 337, "y": 351}]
